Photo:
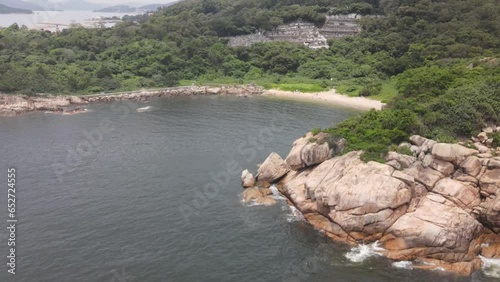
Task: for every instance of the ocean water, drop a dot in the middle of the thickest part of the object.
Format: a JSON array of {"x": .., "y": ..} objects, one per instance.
[{"x": 117, "y": 194}]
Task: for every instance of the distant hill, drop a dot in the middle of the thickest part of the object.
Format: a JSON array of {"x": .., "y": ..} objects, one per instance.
[
  {"x": 18, "y": 4},
  {"x": 9, "y": 10},
  {"x": 118, "y": 9},
  {"x": 154, "y": 7},
  {"x": 80, "y": 5},
  {"x": 129, "y": 9}
]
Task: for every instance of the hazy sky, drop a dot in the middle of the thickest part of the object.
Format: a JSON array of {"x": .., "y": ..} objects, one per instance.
[
  {"x": 114, "y": 2},
  {"x": 143, "y": 2}
]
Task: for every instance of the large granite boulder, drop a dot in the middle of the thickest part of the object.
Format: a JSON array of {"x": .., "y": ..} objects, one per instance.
[
  {"x": 437, "y": 229},
  {"x": 362, "y": 198},
  {"x": 272, "y": 169},
  {"x": 446, "y": 168},
  {"x": 490, "y": 182},
  {"x": 311, "y": 150},
  {"x": 489, "y": 213},
  {"x": 453, "y": 153},
  {"x": 471, "y": 166},
  {"x": 404, "y": 160},
  {"x": 424, "y": 175},
  {"x": 462, "y": 194},
  {"x": 294, "y": 158},
  {"x": 247, "y": 179},
  {"x": 314, "y": 153}
]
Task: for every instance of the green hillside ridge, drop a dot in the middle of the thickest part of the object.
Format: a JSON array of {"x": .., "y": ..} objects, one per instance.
[
  {"x": 435, "y": 62},
  {"x": 9, "y": 10}
]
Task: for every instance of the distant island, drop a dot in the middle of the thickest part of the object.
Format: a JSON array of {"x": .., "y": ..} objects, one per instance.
[
  {"x": 9, "y": 10},
  {"x": 19, "y": 4},
  {"x": 118, "y": 9},
  {"x": 129, "y": 9}
]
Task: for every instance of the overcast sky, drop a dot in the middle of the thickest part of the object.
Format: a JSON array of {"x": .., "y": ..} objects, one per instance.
[
  {"x": 113, "y": 2},
  {"x": 140, "y": 2}
]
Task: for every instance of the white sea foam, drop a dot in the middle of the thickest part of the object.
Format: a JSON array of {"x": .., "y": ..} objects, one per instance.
[
  {"x": 491, "y": 267},
  {"x": 276, "y": 193},
  {"x": 294, "y": 215},
  {"x": 362, "y": 252},
  {"x": 403, "y": 264}
]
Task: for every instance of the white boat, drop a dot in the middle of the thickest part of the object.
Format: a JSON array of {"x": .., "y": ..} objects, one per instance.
[{"x": 145, "y": 109}]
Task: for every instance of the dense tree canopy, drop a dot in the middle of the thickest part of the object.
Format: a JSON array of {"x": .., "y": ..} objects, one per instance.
[{"x": 438, "y": 53}]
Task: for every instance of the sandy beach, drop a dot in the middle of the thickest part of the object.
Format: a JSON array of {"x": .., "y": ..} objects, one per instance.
[{"x": 331, "y": 97}]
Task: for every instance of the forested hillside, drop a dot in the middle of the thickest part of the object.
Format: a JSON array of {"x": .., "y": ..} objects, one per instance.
[
  {"x": 441, "y": 56},
  {"x": 9, "y": 10}
]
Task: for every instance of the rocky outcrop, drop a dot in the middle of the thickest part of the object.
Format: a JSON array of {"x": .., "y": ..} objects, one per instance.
[
  {"x": 247, "y": 179},
  {"x": 453, "y": 153},
  {"x": 440, "y": 206},
  {"x": 272, "y": 169},
  {"x": 12, "y": 105},
  {"x": 312, "y": 150},
  {"x": 437, "y": 229}
]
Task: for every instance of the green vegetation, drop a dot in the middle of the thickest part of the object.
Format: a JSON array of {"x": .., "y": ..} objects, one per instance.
[
  {"x": 374, "y": 131},
  {"x": 402, "y": 150},
  {"x": 435, "y": 62},
  {"x": 496, "y": 139}
]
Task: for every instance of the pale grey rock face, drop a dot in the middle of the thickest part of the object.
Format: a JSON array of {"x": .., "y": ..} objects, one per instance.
[
  {"x": 418, "y": 140},
  {"x": 446, "y": 168},
  {"x": 294, "y": 158},
  {"x": 405, "y": 160},
  {"x": 424, "y": 175},
  {"x": 313, "y": 153},
  {"x": 247, "y": 179},
  {"x": 395, "y": 164},
  {"x": 312, "y": 150},
  {"x": 490, "y": 182},
  {"x": 471, "y": 166},
  {"x": 360, "y": 197},
  {"x": 436, "y": 228},
  {"x": 272, "y": 169},
  {"x": 493, "y": 164},
  {"x": 489, "y": 213},
  {"x": 453, "y": 153},
  {"x": 482, "y": 136},
  {"x": 482, "y": 148},
  {"x": 462, "y": 194}
]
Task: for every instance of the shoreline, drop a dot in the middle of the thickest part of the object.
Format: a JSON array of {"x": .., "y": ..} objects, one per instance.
[
  {"x": 14, "y": 105},
  {"x": 330, "y": 97}
]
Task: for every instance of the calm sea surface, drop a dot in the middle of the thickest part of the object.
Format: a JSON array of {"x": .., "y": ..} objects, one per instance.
[
  {"x": 40, "y": 19},
  {"x": 120, "y": 195}
]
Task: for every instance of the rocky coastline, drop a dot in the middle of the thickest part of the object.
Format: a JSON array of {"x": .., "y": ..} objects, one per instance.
[
  {"x": 438, "y": 206},
  {"x": 13, "y": 105}
]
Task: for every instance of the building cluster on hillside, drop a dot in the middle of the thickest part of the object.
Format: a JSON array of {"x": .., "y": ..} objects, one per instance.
[{"x": 306, "y": 33}]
